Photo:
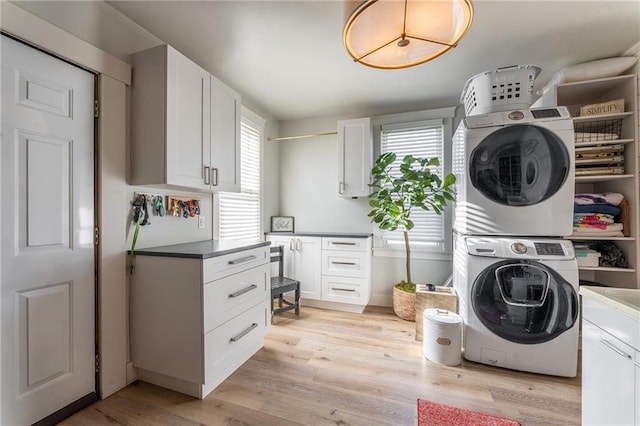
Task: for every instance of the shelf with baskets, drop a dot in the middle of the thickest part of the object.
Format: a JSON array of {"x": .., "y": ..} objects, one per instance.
[{"x": 606, "y": 152}]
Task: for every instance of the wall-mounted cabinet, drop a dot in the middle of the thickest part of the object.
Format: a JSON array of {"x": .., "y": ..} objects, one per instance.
[
  {"x": 185, "y": 124},
  {"x": 616, "y": 134},
  {"x": 354, "y": 157}
]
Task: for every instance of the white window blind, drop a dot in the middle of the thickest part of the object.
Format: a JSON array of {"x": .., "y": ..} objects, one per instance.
[
  {"x": 420, "y": 139},
  {"x": 239, "y": 213}
]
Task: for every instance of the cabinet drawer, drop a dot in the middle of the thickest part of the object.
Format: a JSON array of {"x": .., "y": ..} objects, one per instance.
[
  {"x": 345, "y": 290},
  {"x": 345, "y": 263},
  {"x": 222, "y": 266},
  {"x": 346, "y": 244},
  {"x": 223, "y": 299},
  {"x": 231, "y": 344}
]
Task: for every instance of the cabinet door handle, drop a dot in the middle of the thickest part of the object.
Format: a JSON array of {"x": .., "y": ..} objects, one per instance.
[
  {"x": 340, "y": 188},
  {"x": 214, "y": 176},
  {"x": 344, "y": 263},
  {"x": 298, "y": 244},
  {"x": 243, "y": 291},
  {"x": 207, "y": 178},
  {"x": 615, "y": 348},
  {"x": 291, "y": 244},
  {"x": 351, "y": 290},
  {"x": 243, "y": 333},
  {"x": 241, "y": 260}
]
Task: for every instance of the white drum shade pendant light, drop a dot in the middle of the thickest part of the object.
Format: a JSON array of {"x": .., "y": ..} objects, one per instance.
[{"x": 392, "y": 34}]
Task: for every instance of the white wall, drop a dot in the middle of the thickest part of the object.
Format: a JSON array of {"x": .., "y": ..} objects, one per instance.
[{"x": 309, "y": 192}]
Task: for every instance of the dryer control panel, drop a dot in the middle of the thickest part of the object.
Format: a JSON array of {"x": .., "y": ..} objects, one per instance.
[
  {"x": 517, "y": 117},
  {"x": 518, "y": 248}
]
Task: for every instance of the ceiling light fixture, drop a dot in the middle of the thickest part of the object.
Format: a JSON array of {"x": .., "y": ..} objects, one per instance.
[{"x": 393, "y": 34}]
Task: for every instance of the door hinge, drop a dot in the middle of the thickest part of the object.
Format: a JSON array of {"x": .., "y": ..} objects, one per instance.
[
  {"x": 96, "y": 108},
  {"x": 96, "y": 236},
  {"x": 97, "y": 363}
]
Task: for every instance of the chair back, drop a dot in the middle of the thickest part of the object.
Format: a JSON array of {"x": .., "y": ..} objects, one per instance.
[{"x": 277, "y": 255}]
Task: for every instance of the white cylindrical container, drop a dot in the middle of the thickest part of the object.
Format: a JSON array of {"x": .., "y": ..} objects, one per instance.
[{"x": 442, "y": 334}]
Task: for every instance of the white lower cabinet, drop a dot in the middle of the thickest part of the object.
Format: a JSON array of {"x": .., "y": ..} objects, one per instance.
[
  {"x": 610, "y": 367},
  {"x": 195, "y": 321},
  {"x": 334, "y": 272}
]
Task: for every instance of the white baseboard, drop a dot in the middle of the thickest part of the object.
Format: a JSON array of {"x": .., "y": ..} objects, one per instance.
[
  {"x": 381, "y": 300},
  {"x": 132, "y": 375}
]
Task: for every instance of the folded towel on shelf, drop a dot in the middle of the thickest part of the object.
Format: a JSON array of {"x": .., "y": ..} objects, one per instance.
[
  {"x": 612, "y": 198},
  {"x": 612, "y": 230},
  {"x": 596, "y": 208},
  {"x": 596, "y": 218},
  {"x": 588, "y": 227},
  {"x": 596, "y": 233}
]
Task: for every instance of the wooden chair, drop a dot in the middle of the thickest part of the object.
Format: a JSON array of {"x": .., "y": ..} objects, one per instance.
[{"x": 281, "y": 285}]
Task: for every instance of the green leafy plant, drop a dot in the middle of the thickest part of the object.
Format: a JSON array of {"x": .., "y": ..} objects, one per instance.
[{"x": 395, "y": 193}]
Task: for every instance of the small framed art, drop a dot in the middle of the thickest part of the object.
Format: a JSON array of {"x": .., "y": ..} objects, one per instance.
[{"x": 282, "y": 224}]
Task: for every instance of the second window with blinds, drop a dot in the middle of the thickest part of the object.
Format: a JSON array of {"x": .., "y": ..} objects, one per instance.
[
  {"x": 421, "y": 139},
  {"x": 238, "y": 215}
]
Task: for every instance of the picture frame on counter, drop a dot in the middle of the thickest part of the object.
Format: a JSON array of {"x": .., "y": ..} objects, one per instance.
[{"x": 282, "y": 224}]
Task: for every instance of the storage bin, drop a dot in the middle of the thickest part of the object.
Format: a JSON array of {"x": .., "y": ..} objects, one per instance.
[
  {"x": 440, "y": 297},
  {"x": 442, "y": 332},
  {"x": 587, "y": 257}
]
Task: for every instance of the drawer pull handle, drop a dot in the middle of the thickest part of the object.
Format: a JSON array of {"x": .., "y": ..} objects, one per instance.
[
  {"x": 615, "y": 348},
  {"x": 351, "y": 290},
  {"x": 242, "y": 260},
  {"x": 243, "y": 333},
  {"x": 338, "y": 243},
  {"x": 344, "y": 263},
  {"x": 243, "y": 291}
]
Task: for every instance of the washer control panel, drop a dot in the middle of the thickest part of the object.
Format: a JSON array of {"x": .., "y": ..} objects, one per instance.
[{"x": 518, "y": 248}]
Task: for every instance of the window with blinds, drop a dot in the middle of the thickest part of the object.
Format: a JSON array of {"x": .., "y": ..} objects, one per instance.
[
  {"x": 420, "y": 139},
  {"x": 239, "y": 212}
]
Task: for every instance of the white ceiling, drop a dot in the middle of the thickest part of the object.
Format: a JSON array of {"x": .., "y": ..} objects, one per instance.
[{"x": 287, "y": 58}]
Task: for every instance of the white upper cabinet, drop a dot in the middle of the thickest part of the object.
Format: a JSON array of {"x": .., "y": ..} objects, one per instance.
[
  {"x": 225, "y": 137},
  {"x": 354, "y": 157},
  {"x": 184, "y": 132}
]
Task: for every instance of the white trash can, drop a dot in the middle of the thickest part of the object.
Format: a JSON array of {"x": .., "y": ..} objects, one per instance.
[{"x": 442, "y": 333}]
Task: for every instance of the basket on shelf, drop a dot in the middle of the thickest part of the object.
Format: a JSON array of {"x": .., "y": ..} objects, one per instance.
[{"x": 587, "y": 132}]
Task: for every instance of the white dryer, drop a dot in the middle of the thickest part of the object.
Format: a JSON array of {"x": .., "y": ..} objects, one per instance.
[
  {"x": 515, "y": 173},
  {"x": 518, "y": 299}
]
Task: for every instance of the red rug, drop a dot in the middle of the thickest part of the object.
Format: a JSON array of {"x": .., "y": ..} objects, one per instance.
[{"x": 432, "y": 414}]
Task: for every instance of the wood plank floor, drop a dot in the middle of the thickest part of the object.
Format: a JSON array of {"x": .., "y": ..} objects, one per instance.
[{"x": 334, "y": 368}]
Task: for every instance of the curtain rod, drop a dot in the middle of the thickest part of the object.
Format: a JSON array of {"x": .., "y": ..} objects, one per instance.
[{"x": 312, "y": 135}]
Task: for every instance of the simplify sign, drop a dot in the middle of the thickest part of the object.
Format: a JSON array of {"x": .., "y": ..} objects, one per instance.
[{"x": 611, "y": 107}]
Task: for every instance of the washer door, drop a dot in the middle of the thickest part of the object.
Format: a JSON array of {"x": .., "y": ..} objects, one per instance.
[
  {"x": 524, "y": 301},
  {"x": 519, "y": 165}
]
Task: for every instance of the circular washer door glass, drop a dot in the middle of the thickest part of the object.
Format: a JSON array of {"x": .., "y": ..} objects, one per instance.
[
  {"x": 519, "y": 165},
  {"x": 524, "y": 301}
]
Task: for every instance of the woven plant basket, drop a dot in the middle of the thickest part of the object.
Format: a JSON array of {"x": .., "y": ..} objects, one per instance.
[{"x": 404, "y": 304}]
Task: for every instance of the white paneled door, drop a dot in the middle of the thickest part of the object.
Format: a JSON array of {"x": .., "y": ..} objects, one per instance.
[{"x": 47, "y": 226}]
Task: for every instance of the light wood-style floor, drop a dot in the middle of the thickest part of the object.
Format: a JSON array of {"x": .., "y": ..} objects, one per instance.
[{"x": 334, "y": 368}]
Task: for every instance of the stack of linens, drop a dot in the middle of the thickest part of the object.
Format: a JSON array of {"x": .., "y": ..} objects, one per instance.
[{"x": 597, "y": 215}]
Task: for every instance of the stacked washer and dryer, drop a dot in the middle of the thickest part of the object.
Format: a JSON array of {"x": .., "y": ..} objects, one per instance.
[{"x": 515, "y": 275}]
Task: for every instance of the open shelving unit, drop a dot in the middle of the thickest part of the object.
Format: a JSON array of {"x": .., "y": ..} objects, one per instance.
[{"x": 573, "y": 96}]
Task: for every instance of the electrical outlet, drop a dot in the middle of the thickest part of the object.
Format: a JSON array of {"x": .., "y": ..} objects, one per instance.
[{"x": 201, "y": 222}]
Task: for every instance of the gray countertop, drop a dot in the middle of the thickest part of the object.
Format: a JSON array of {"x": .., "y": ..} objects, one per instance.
[
  {"x": 201, "y": 249},
  {"x": 322, "y": 234}
]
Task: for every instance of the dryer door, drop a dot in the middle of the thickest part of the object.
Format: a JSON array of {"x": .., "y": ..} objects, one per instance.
[
  {"x": 519, "y": 165},
  {"x": 524, "y": 301}
]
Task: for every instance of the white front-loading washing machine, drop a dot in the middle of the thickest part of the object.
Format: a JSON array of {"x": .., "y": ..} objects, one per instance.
[
  {"x": 518, "y": 299},
  {"x": 515, "y": 173}
]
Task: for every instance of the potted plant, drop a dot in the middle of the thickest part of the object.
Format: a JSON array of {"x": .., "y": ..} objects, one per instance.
[{"x": 395, "y": 194}]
